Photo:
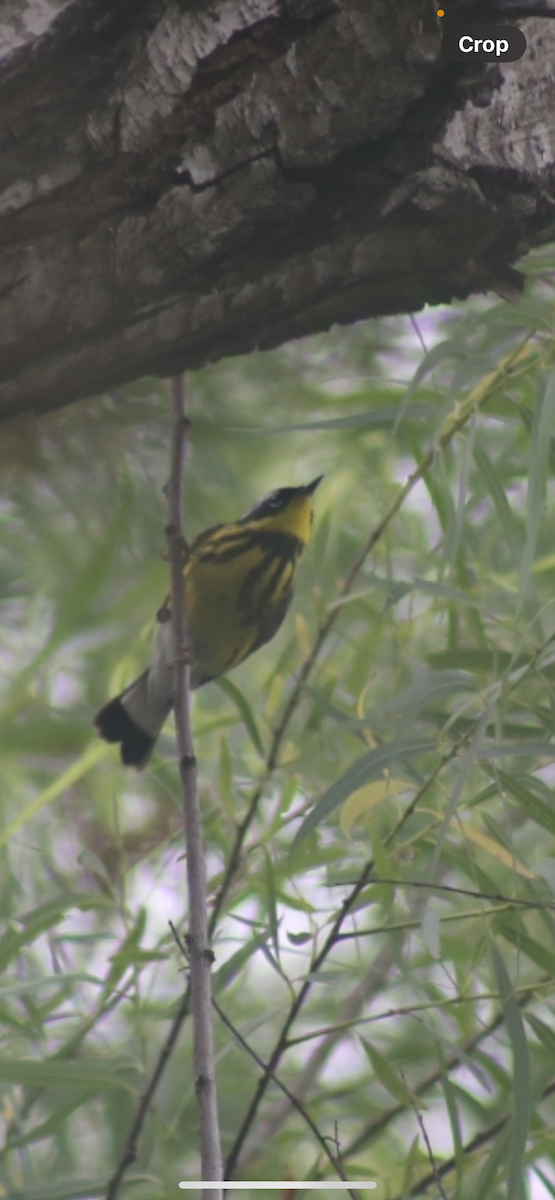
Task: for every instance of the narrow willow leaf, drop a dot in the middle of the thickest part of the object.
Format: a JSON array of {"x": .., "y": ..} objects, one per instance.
[
  {"x": 426, "y": 688},
  {"x": 385, "y": 867},
  {"x": 522, "y": 1107},
  {"x": 93, "y": 864},
  {"x": 483, "y": 1188},
  {"x": 87, "y": 1072},
  {"x": 453, "y": 544},
  {"x": 545, "y": 1034},
  {"x": 235, "y": 963},
  {"x": 442, "y": 592},
  {"x": 225, "y": 777},
  {"x": 41, "y": 919},
  {"x": 243, "y": 706},
  {"x": 547, "y": 1183},
  {"x": 303, "y": 639},
  {"x": 514, "y": 931},
  {"x": 49, "y": 981},
  {"x": 543, "y": 425},
  {"x": 54, "y": 1124},
  {"x": 509, "y": 749},
  {"x": 450, "y": 348},
  {"x": 387, "y": 1075},
  {"x": 373, "y": 418},
  {"x": 531, "y": 312},
  {"x": 545, "y": 868},
  {"x": 271, "y": 900},
  {"x": 76, "y": 772},
  {"x": 472, "y": 659},
  {"x": 496, "y": 831},
  {"x": 456, "y": 1051},
  {"x": 496, "y": 850},
  {"x": 126, "y": 954},
  {"x": 455, "y": 1120},
  {"x": 370, "y": 766},
  {"x": 431, "y": 931},
  {"x": 493, "y": 482},
  {"x": 409, "y": 1167},
  {"x": 464, "y": 767},
  {"x": 364, "y": 799},
  {"x": 531, "y": 805}
]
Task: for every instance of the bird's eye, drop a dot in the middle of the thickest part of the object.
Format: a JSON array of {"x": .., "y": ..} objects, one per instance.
[{"x": 274, "y": 501}]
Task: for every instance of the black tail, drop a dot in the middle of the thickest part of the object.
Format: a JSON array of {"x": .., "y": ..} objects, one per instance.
[{"x": 115, "y": 725}]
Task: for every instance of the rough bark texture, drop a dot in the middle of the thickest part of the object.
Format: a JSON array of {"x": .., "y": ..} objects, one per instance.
[{"x": 183, "y": 180}]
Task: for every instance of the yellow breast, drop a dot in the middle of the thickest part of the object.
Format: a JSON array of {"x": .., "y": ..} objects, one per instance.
[{"x": 238, "y": 585}]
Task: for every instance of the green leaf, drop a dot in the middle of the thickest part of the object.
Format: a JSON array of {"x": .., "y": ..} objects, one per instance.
[
  {"x": 544, "y": 1033},
  {"x": 543, "y": 426},
  {"x": 511, "y": 927},
  {"x": 493, "y": 481},
  {"x": 522, "y": 1108},
  {"x": 77, "y": 771},
  {"x": 455, "y": 1120},
  {"x": 387, "y": 1075},
  {"x": 496, "y": 1159},
  {"x": 531, "y": 805},
  {"x": 529, "y": 749},
  {"x": 431, "y": 931},
  {"x": 271, "y": 901},
  {"x": 377, "y": 418},
  {"x": 226, "y": 776},
  {"x": 409, "y": 1167},
  {"x": 129, "y": 954},
  {"x": 233, "y": 692},
  {"x": 43, "y": 918},
  {"x": 425, "y": 689},
  {"x": 450, "y": 348},
  {"x": 229, "y": 970},
  {"x": 370, "y": 766},
  {"x": 94, "y": 1073}
]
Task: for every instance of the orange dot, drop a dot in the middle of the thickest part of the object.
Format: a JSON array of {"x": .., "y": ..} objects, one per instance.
[{"x": 440, "y": 12}]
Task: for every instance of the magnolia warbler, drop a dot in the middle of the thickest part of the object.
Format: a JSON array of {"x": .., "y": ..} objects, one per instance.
[{"x": 238, "y": 583}]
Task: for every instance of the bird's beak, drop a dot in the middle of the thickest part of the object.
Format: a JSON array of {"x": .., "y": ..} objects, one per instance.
[{"x": 311, "y": 487}]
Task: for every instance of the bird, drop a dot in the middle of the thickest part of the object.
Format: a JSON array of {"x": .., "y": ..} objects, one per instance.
[{"x": 238, "y": 584}]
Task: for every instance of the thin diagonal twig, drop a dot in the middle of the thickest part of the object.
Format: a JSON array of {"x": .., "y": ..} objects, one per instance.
[
  {"x": 294, "y": 1101},
  {"x": 428, "y": 1144}
]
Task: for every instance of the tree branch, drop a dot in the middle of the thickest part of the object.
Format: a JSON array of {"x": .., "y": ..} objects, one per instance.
[
  {"x": 200, "y": 954},
  {"x": 185, "y": 201}
]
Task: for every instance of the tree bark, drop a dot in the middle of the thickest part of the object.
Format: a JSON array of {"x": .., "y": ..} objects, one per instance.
[{"x": 184, "y": 180}]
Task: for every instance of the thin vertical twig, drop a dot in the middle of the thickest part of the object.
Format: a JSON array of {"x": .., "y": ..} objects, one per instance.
[{"x": 200, "y": 954}]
